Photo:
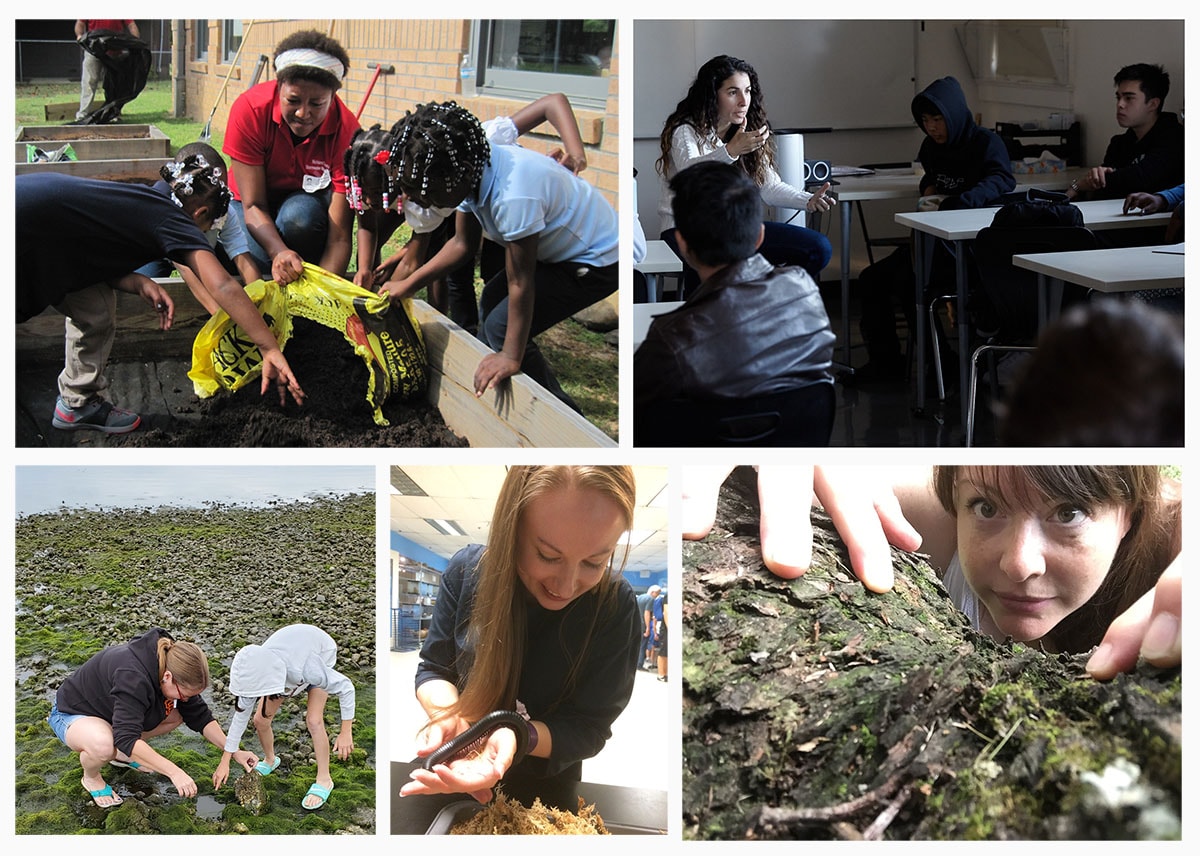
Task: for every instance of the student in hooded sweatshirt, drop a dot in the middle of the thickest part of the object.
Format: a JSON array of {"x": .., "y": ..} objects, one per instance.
[
  {"x": 966, "y": 166},
  {"x": 295, "y": 660}
]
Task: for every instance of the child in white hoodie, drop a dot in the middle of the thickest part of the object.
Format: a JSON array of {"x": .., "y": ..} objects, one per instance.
[{"x": 294, "y": 660}]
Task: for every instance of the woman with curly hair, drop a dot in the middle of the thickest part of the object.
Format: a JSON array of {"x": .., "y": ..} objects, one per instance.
[
  {"x": 723, "y": 118},
  {"x": 539, "y": 622}
]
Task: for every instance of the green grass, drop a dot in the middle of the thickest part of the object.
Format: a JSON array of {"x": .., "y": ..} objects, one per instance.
[{"x": 586, "y": 366}]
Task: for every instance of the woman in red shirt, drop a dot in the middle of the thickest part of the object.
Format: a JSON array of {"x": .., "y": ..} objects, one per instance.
[{"x": 286, "y": 139}]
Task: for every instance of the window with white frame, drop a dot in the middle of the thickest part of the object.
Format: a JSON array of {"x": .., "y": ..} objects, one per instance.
[{"x": 527, "y": 58}]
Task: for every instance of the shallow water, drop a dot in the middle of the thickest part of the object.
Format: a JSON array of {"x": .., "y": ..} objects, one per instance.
[
  {"x": 54, "y": 488},
  {"x": 208, "y": 807}
]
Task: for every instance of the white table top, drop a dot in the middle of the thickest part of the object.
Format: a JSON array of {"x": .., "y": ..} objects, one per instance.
[
  {"x": 894, "y": 184},
  {"x": 643, "y": 312},
  {"x": 659, "y": 259},
  {"x": 1112, "y": 270},
  {"x": 965, "y": 224}
]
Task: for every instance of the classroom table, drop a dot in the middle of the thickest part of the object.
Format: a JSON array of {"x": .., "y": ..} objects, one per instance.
[
  {"x": 905, "y": 184},
  {"x": 961, "y": 226},
  {"x": 1110, "y": 271},
  {"x": 644, "y": 312},
  {"x": 660, "y": 259}
]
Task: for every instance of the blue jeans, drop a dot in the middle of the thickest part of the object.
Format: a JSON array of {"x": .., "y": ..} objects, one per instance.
[
  {"x": 560, "y": 290},
  {"x": 60, "y": 722},
  {"x": 302, "y": 220}
]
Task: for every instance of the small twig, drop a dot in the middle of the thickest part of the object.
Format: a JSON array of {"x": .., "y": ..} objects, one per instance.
[
  {"x": 773, "y": 816},
  {"x": 875, "y": 831},
  {"x": 1004, "y": 739}
]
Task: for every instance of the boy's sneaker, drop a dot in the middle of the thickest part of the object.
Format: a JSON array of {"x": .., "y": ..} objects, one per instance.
[{"x": 96, "y": 415}]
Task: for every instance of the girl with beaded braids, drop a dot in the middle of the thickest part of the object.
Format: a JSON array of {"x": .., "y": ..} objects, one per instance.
[
  {"x": 559, "y": 234},
  {"x": 431, "y": 228},
  {"x": 78, "y": 240},
  {"x": 286, "y": 138}
]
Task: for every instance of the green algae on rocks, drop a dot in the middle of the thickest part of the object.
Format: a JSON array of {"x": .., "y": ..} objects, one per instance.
[
  {"x": 222, "y": 577},
  {"x": 814, "y": 709}
]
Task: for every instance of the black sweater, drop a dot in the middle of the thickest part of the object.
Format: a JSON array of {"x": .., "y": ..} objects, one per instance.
[
  {"x": 121, "y": 686},
  {"x": 1151, "y": 164},
  {"x": 579, "y": 717}
]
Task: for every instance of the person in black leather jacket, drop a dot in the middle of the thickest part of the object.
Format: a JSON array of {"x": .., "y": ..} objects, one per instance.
[{"x": 750, "y": 331}]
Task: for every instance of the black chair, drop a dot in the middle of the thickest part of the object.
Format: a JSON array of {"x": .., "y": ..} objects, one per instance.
[
  {"x": 795, "y": 418},
  {"x": 1007, "y": 302}
]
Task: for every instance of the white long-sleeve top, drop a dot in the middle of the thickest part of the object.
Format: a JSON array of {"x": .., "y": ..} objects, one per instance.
[
  {"x": 688, "y": 147},
  {"x": 292, "y": 659}
]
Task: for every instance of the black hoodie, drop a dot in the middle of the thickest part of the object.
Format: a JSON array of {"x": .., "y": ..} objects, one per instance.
[
  {"x": 1151, "y": 164},
  {"x": 121, "y": 686},
  {"x": 973, "y": 164}
]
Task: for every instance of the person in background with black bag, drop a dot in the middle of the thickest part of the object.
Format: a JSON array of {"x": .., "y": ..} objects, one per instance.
[{"x": 966, "y": 166}]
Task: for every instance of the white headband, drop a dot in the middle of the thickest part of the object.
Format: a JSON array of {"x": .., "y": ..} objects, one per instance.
[{"x": 313, "y": 58}]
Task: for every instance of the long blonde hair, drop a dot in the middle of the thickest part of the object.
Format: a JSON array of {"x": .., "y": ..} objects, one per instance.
[
  {"x": 186, "y": 662},
  {"x": 1143, "y": 554},
  {"x": 498, "y": 616}
]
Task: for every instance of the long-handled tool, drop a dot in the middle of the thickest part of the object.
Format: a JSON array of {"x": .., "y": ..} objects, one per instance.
[
  {"x": 206, "y": 134},
  {"x": 380, "y": 68}
]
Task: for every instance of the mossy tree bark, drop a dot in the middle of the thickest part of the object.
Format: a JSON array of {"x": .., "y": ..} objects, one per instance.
[{"x": 815, "y": 709}]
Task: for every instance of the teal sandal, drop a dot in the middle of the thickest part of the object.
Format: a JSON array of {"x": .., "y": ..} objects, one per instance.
[
  {"x": 318, "y": 791},
  {"x": 265, "y": 769}
]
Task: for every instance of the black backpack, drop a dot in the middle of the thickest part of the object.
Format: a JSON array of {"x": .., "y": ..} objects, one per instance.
[{"x": 1037, "y": 208}]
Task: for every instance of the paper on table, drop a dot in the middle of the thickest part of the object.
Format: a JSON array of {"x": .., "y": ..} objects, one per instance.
[{"x": 1173, "y": 250}]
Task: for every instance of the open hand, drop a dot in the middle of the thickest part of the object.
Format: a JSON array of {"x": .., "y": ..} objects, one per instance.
[
  {"x": 476, "y": 774},
  {"x": 744, "y": 141},
  {"x": 276, "y": 370}
]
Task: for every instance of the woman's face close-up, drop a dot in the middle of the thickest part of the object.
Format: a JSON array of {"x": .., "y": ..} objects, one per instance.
[
  {"x": 304, "y": 105},
  {"x": 1032, "y": 567},
  {"x": 733, "y": 99},
  {"x": 565, "y": 540}
]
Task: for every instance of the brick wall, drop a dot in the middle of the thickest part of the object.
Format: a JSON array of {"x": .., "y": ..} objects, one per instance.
[{"x": 425, "y": 55}]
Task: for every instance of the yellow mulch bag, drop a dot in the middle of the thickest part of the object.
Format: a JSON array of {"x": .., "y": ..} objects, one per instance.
[{"x": 386, "y": 335}]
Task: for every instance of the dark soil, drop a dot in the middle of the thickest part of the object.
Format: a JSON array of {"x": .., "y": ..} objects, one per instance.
[
  {"x": 813, "y": 709},
  {"x": 335, "y": 411}
]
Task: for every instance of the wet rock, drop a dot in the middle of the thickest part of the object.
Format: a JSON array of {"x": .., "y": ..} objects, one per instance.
[{"x": 250, "y": 793}]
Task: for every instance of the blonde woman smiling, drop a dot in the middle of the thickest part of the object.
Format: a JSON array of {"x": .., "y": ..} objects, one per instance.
[{"x": 539, "y": 623}]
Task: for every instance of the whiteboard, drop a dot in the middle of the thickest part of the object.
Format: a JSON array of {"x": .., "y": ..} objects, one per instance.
[{"x": 840, "y": 75}]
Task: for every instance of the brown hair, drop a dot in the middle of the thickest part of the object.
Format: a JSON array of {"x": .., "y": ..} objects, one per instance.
[
  {"x": 185, "y": 661},
  {"x": 699, "y": 109},
  {"x": 1143, "y": 554},
  {"x": 499, "y": 611}
]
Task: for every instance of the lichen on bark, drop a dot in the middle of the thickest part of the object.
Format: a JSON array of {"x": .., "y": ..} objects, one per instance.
[{"x": 815, "y": 709}]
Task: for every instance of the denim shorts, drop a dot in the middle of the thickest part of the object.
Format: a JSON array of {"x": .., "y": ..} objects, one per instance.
[{"x": 60, "y": 722}]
